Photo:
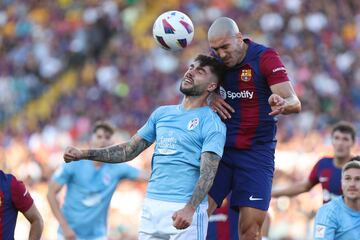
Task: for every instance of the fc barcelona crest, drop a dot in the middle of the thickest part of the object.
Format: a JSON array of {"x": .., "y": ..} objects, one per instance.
[{"x": 246, "y": 75}]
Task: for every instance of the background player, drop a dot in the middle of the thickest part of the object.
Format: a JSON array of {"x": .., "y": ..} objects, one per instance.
[
  {"x": 90, "y": 186},
  {"x": 340, "y": 218},
  {"x": 14, "y": 197},
  {"x": 327, "y": 171},
  {"x": 189, "y": 143},
  {"x": 255, "y": 89}
]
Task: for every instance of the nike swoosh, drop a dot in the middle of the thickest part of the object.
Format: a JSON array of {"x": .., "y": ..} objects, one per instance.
[
  {"x": 251, "y": 198},
  {"x": 26, "y": 191}
]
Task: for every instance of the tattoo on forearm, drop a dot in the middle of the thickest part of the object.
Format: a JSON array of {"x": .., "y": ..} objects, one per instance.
[
  {"x": 209, "y": 164},
  {"x": 119, "y": 153}
]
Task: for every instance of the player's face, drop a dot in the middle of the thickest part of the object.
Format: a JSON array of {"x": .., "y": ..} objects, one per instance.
[
  {"x": 228, "y": 49},
  {"x": 350, "y": 183},
  {"x": 197, "y": 80},
  {"x": 100, "y": 138},
  {"x": 342, "y": 143}
]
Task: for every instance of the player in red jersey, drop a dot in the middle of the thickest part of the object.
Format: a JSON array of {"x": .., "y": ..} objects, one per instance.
[
  {"x": 327, "y": 171},
  {"x": 255, "y": 89},
  {"x": 14, "y": 197}
]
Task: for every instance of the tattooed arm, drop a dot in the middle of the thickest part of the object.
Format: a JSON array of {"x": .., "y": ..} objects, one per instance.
[
  {"x": 112, "y": 154},
  {"x": 209, "y": 164}
]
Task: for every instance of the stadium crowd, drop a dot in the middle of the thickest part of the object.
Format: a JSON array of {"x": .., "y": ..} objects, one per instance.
[{"x": 123, "y": 77}]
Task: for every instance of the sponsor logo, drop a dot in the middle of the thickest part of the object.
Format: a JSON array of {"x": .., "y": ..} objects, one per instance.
[
  {"x": 246, "y": 75},
  {"x": 279, "y": 69},
  {"x": 245, "y": 94},
  {"x": 92, "y": 200},
  {"x": 193, "y": 123},
  {"x": 323, "y": 179},
  {"x": 167, "y": 145},
  {"x": 223, "y": 93},
  {"x": 320, "y": 231},
  {"x": 251, "y": 198},
  {"x": 218, "y": 218}
]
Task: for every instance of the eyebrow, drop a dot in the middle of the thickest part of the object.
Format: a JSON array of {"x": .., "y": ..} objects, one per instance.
[{"x": 222, "y": 46}]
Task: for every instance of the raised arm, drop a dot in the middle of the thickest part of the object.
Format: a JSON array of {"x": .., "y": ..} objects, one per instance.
[
  {"x": 284, "y": 99},
  {"x": 209, "y": 164},
  {"x": 113, "y": 154}
]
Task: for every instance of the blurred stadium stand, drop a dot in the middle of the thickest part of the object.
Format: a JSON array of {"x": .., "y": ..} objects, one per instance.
[{"x": 66, "y": 63}]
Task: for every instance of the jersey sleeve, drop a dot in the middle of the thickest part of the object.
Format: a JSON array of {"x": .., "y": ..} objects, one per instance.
[
  {"x": 313, "y": 177},
  {"x": 272, "y": 67},
  {"x": 325, "y": 223},
  {"x": 20, "y": 196},
  {"x": 64, "y": 173},
  {"x": 129, "y": 172},
  {"x": 148, "y": 131},
  {"x": 214, "y": 132}
]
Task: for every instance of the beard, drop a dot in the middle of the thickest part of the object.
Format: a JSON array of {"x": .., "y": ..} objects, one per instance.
[{"x": 192, "y": 91}]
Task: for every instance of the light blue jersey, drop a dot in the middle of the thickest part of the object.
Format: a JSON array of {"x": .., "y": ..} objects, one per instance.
[
  {"x": 181, "y": 136},
  {"x": 89, "y": 191},
  {"x": 335, "y": 220}
]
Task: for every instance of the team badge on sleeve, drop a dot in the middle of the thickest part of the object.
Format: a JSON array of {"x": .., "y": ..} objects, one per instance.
[
  {"x": 320, "y": 231},
  {"x": 246, "y": 75}
]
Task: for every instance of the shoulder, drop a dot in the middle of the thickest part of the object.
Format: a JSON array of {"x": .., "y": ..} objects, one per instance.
[
  {"x": 213, "y": 119},
  {"x": 328, "y": 212},
  {"x": 165, "y": 110}
]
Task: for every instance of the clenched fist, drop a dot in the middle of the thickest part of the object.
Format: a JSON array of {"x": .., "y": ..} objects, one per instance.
[{"x": 73, "y": 154}]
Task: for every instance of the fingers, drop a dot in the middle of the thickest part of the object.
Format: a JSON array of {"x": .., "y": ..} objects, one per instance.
[
  {"x": 180, "y": 223},
  {"x": 222, "y": 108}
]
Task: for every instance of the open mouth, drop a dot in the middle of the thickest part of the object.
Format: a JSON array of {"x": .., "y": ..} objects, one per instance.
[{"x": 188, "y": 80}]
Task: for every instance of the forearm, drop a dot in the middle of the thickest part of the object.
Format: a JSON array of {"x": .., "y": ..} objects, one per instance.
[
  {"x": 117, "y": 153},
  {"x": 55, "y": 208},
  {"x": 293, "y": 105},
  {"x": 207, "y": 175},
  {"x": 113, "y": 154},
  {"x": 36, "y": 229},
  {"x": 290, "y": 191}
]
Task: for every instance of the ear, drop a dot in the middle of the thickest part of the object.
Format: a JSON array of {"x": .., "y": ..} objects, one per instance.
[{"x": 212, "y": 87}]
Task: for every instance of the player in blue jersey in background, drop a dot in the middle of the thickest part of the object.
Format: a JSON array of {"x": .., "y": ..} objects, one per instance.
[
  {"x": 190, "y": 139},
  {"x": 327, "y": 171},
  {"x": 255, "y": 89},
  {"x": 340, "y": 218},
  {"x": 90, "y": 187}
]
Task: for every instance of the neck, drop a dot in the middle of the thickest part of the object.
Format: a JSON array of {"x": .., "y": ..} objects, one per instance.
[
  {"x": 191, "y": 102},
  {"x": 353, "y": 203},
  {"x": 340, "y": 162}
]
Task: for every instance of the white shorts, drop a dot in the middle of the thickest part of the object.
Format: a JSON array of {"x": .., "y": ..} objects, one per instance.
[
  {"x": 61, "y": 237},
  {"x": 156, "y": 222}
]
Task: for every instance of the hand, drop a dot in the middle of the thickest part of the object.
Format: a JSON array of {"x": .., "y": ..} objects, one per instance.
[
  {"x": 219, "y": 106},
  {"x": 183, "y": 218},
  {"x": 69, "y": 234},
  {"x": 72, "y": 154},
  {"x": 277, "y": 104}
]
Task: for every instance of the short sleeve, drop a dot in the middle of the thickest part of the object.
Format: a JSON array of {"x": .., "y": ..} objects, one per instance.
[
  {"x": 313, "y": 177},
  {"x": 148, "y": 131},
  {"x": 214, "y": 133},
  {"x": 325, "y": 223},
  {"x": 20, "y": 196},
  {"x": 64, "y": 173},
  {"x": 272, "y": 67},
  {"x": 128, "y": 172}
]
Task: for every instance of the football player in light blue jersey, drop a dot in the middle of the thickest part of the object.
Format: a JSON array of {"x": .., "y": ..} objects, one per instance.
[
  {"x": 189, "y": 144},
  {"x": 340, "y": 218},
  {"x": 90, "y": 186}
]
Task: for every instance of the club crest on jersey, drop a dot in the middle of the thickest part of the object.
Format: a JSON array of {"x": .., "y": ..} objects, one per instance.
[
  {"x": 246, "y": 75},
  {"x": 193, "y": 123}
]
